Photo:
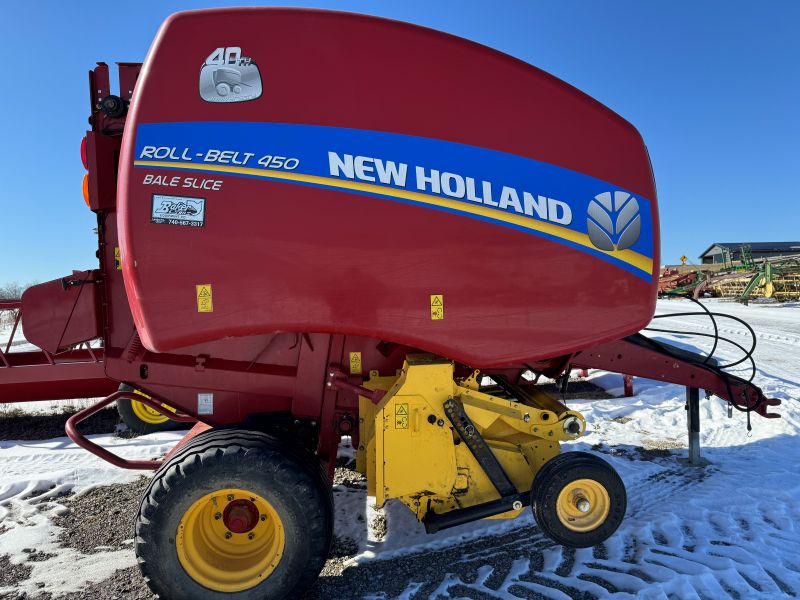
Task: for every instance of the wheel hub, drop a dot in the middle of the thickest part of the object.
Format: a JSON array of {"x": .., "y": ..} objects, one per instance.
[
  {"x": 583, "y": 505},
  {"x": 230, "y": 540},
  {"x": 240, "y": 516}
]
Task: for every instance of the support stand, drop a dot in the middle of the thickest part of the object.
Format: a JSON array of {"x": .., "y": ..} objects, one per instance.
[
  {"x": 693, "y": 426},
  {"x": 627, "y": 385}
]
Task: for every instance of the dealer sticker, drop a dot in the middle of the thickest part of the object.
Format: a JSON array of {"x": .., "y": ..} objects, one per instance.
[
  {"x": 205, "y": 404},
  {"x": 178, "y": 210}
]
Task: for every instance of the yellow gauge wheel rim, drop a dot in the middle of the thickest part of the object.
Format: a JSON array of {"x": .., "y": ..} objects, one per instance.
[
  {"x": 583, "y": 505},
  {"x": 146, "y": 414},
  {"x": 230, "y": 540}
]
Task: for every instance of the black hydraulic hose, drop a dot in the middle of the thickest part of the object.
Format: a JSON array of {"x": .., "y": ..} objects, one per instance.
[
  {"x": 717, "y": 370},
  {"x": 745, "y": 353},
  {"x": 707, "y": 313},
  {"x": 716, "y": 330}
]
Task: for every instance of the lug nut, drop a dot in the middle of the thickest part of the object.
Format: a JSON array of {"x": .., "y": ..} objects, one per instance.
[
  {"x": 583, "y": 505},
  {"x": 230, "y": 497},
  {"x": 263, "y": 517},
  {"x": 251, "y": 535},
  {"x": 228, "y": 535},
  {"x": 217, "y": 516}
]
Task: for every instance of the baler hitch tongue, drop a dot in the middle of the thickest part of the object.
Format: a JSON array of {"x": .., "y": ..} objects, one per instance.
[
  {"x": 643, "y": 357},
  {"x": 748, "y": 400}
]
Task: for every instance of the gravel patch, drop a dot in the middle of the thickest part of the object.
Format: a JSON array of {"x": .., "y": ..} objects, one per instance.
[
  {"x": 11, "y": 574},
  {"x": 101, "y": 518},
  {"x": 18, "y": 425},
  {"x": 378, "y": 526},
  {"x": 651, "y": 450},
  {"x": 126, "y": 584},
  {"x": 667, "y": 444},
  {"x": 622, "y": 420},
  {"x": 349, "y": 478},
  {"x": 425, "y": 571},
  {"x": 36, "y": 556}
]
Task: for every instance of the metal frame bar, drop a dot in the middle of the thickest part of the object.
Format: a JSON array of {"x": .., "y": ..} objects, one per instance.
[
  {"x": 633, "y": 358},
  {"x": 77, "y": 373},
  {"x": 81, "y": 440}
]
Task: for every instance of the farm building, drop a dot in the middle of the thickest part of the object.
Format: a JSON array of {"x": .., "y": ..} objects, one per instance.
[{"x": 716, "y": 252}]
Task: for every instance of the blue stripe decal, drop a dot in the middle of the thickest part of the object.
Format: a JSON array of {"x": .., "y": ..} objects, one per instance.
[{"x": 497, "y": 187}]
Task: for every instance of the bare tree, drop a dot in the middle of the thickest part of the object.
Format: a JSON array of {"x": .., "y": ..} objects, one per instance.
[{"x": 12, "y": 290}]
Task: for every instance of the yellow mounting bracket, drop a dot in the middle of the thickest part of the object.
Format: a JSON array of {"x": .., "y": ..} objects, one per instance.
[{"x": 410, "y": 450}]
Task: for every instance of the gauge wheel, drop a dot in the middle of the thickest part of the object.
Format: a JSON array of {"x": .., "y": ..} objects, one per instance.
[
  {"x": 578, "y": 499},
  {"x": 139, "y": 417},
  {"x": 235, "y": 514}
]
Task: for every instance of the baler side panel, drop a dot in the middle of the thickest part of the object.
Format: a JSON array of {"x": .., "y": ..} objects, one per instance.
[{"x": 298, "y": 251}]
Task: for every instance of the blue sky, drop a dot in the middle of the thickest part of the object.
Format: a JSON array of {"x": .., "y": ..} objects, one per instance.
[{"x": 713, "y": 86}]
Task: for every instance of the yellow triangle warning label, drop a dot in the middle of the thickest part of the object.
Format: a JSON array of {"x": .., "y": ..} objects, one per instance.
[
  {"x": 437, "y": 307},
  {"x": 205, "y": 301},
  {"x": 401, "y": 409}
]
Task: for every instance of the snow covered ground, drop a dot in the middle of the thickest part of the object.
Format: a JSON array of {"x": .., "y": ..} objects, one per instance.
[{"x": 729, "y": 529}]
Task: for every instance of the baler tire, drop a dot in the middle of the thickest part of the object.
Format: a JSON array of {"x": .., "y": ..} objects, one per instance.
[
  {"x": 288, "y": 479},
  {"x": 135, "y": 423},
  {"x": 574, "y": 471}
]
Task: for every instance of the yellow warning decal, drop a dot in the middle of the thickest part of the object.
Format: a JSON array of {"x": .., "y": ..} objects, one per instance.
[
  {"x": 205, "y": 301},
  {"x": 401, "y": 416},
  {"x": 117, "y": 259},
  {"x": 437, "y": 307},
  {"x": 355, "y": 363}
]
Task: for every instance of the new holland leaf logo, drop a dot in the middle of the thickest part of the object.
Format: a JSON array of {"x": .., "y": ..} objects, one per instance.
[{"x": 613, "y": 221}]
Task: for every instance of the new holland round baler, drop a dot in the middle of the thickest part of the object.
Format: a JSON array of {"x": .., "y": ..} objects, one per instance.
[{"x": 315, "y": 224}]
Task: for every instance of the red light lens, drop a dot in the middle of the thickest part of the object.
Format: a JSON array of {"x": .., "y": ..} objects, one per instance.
[{"x": 84, "y": 159}]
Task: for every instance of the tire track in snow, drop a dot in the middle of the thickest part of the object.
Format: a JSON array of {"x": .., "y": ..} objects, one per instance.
[{"x": 711, "y": 549}]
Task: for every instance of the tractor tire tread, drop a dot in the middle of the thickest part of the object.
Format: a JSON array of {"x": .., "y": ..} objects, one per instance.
[{"x": 290, "y": 466}]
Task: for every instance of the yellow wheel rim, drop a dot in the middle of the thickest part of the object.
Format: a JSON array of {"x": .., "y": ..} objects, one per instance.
[
  {"x": 583, "y": 505},
  {"x": 147, "y": 414},
  {"x": 230, "y": 540}
]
